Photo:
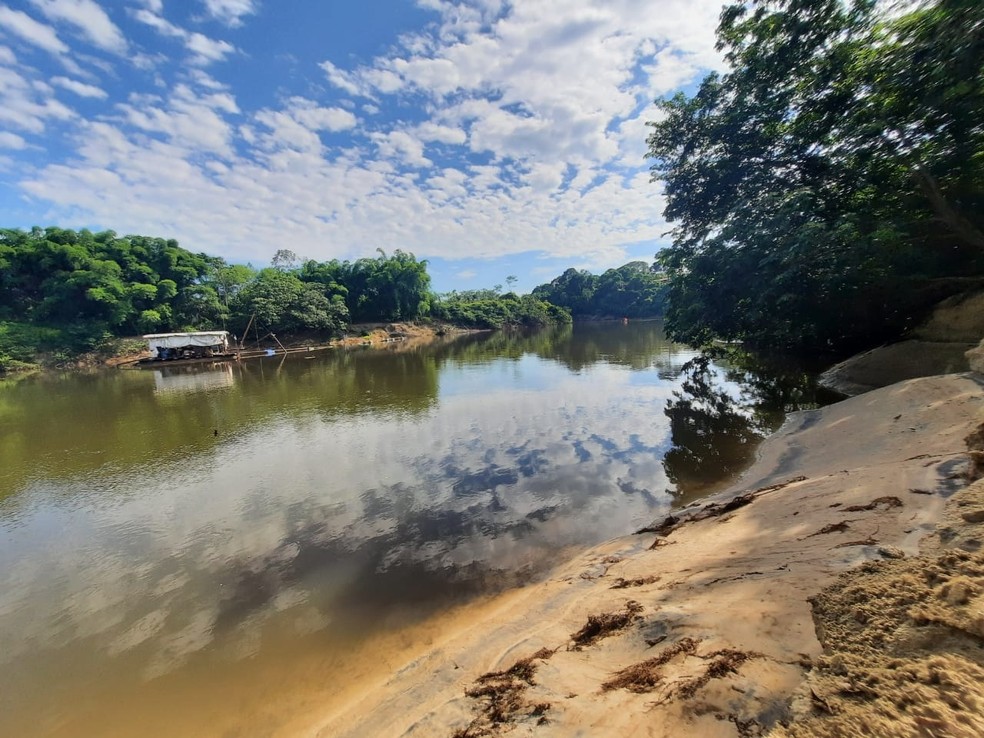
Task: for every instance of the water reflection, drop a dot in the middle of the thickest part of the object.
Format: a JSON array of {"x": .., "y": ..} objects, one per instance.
[
  {"x": 173, "y": 524},
  {"x": 191, "y": 379},
  {"x": 719, "y": 414}
]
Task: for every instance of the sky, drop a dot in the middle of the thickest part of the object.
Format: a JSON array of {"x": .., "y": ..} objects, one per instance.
[{"x": 491, "y": 138}]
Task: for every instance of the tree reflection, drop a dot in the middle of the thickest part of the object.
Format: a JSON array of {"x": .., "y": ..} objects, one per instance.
[
  {"x": 638, "y": 345},
  {"x": 720, "y": 414}
]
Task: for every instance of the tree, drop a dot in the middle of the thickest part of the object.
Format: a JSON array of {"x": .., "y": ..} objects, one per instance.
[
  {"x": 634, "y": 290},
  {"x": 804, "y": 181},
  {"x": 285, "y": 260},
  {"x": 230, "y": 279},
  {"x": 280, "y": 301}
]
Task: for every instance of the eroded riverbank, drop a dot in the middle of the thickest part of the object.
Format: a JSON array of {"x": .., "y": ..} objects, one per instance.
[{"x": 706, "y": 627}]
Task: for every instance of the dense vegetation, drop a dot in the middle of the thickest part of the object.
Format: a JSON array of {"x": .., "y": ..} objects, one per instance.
[
  {"x": 634, "y": 290},
  {"x": 64, "y": 292},
  {"x": 489, "y": 309},
  {"x": 830, "y": 186}
]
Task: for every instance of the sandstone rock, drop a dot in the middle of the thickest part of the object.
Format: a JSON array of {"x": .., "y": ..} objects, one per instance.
[
  {"x": 975, "y": 358},
  {"x": 958, "y": 319}
]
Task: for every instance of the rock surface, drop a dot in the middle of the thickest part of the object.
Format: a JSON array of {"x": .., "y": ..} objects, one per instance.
[
  {"x": 944, "y": 344},
  {"x": 896, "y": 362},
  {"x": 975, "y": 358}
]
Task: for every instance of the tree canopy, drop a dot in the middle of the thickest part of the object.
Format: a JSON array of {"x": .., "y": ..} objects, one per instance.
[
  {"x": 634, "y": 290},
  {"x": 124, "y": 284},
  {"x": 828, "y": 187}
]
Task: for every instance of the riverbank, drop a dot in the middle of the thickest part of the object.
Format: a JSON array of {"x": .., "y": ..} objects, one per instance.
[
  {"x": 704, "y": 626},
  {"x": 125, "y": 351}
]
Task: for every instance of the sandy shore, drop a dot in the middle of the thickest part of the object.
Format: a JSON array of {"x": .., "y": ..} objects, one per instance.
[{"x": 859, "y": 523}]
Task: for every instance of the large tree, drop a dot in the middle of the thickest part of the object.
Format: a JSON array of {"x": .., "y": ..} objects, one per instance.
[{"x": 828, "y": 186}]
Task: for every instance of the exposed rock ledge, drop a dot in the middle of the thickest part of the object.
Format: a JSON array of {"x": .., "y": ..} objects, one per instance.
[
  {"x": 896, "y": 362},
  {"x": 939, "y": 346},
  {"x": 707, "y": 629}
]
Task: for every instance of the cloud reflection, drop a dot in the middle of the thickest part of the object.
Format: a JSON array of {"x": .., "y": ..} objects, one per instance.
[{"x": 483, "y": 460}]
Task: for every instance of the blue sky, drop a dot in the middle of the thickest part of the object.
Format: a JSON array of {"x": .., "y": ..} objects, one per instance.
[{"x": 491, "y": 138}]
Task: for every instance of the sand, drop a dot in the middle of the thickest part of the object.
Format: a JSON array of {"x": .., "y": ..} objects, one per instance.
[{"x": 836, "y": 589}]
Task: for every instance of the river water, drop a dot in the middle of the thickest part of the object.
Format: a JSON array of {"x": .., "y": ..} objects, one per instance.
[{"x": 204, "y": 551}]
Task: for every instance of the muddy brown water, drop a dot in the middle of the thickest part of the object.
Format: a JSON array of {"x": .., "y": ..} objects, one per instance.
[{"x": 216, "y": 550}]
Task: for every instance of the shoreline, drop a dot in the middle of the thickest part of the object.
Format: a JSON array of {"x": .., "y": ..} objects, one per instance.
[
  {"x": 704, "y": 625},
  {"x": 393, "y": 335}
]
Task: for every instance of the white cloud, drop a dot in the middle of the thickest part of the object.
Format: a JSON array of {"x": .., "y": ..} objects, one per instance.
[
  {"x": 11, "y": 141},
  {"x": 151, "y": 17},
  {"x": 89, "y": 18},
  {"x": 430, "y": 131},
  {"x": 79, "y": 88},
  {"x": 30, "y": 30},
  {"x": 204, "y": 79},
  {"x": 231, "y": 12},
  {"x": 342, "y": 80},
  {"x": 187, "y": 122},
  {"x": 204, "y": 49},
  {"x": 207, "y": 50},
  {"x": 310, "y": 115},
  {"x": 401, "y": 146},
  {"x": 439, "y": 76},
  {"x": 7, "y": 56},
  {"x": 27, "y": 106}
]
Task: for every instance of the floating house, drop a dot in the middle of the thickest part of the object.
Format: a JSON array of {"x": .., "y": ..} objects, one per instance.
[{"x": 197, "y": 345}]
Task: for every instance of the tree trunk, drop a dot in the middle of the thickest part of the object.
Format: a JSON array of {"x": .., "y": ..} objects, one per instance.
[{"x": 945, "y": 213}]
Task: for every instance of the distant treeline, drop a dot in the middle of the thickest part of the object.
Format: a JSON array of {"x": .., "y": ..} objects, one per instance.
[
  {"x": 69, "y": 291},
  {"x": 635, "y": 290}
]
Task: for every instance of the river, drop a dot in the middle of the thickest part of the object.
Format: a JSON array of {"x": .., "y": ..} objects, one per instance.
[{"x": 214, "y": 550}]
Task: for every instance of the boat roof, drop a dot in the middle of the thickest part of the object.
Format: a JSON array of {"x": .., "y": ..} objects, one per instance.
[{"x": 182, "y": 335}]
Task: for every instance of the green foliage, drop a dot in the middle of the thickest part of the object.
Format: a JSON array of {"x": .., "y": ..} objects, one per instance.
[
  {"x": 22, "y": 343},
  {"x": 386, "y": 288},
  {"x": 100, "y": 281},
  {"x": 634, "y": 290},
  {"x": 486, "y": 309},
  {"x": 828, "y": 187},
  {"x": 280, "y": 301}
]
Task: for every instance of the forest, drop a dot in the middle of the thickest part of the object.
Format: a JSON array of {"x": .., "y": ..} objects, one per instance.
[
  {"x": 828, "y": 188},
  {"x": 64, "y": 292}
]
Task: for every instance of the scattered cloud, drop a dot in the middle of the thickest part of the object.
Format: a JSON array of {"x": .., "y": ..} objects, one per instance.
[
  {"x": 87, "y": 17},
  {"x": 26, "y": 105},
  {"x": 499, "y": 128},
  {"x": 204, "y": 50},
  {"x": 11, "y": 141},
  {"x": 310, "y": 115},
  {"x": 79, "y": 88},
  {"x": 345, "y": 81},
  {"x": 207, "y": 50},
  {"x": 231, "y": 12},
  {"x": 25, "y": 27}
]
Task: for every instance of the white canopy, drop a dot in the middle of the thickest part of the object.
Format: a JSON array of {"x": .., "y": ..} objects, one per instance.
[{"x": 181, "y": 340}]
